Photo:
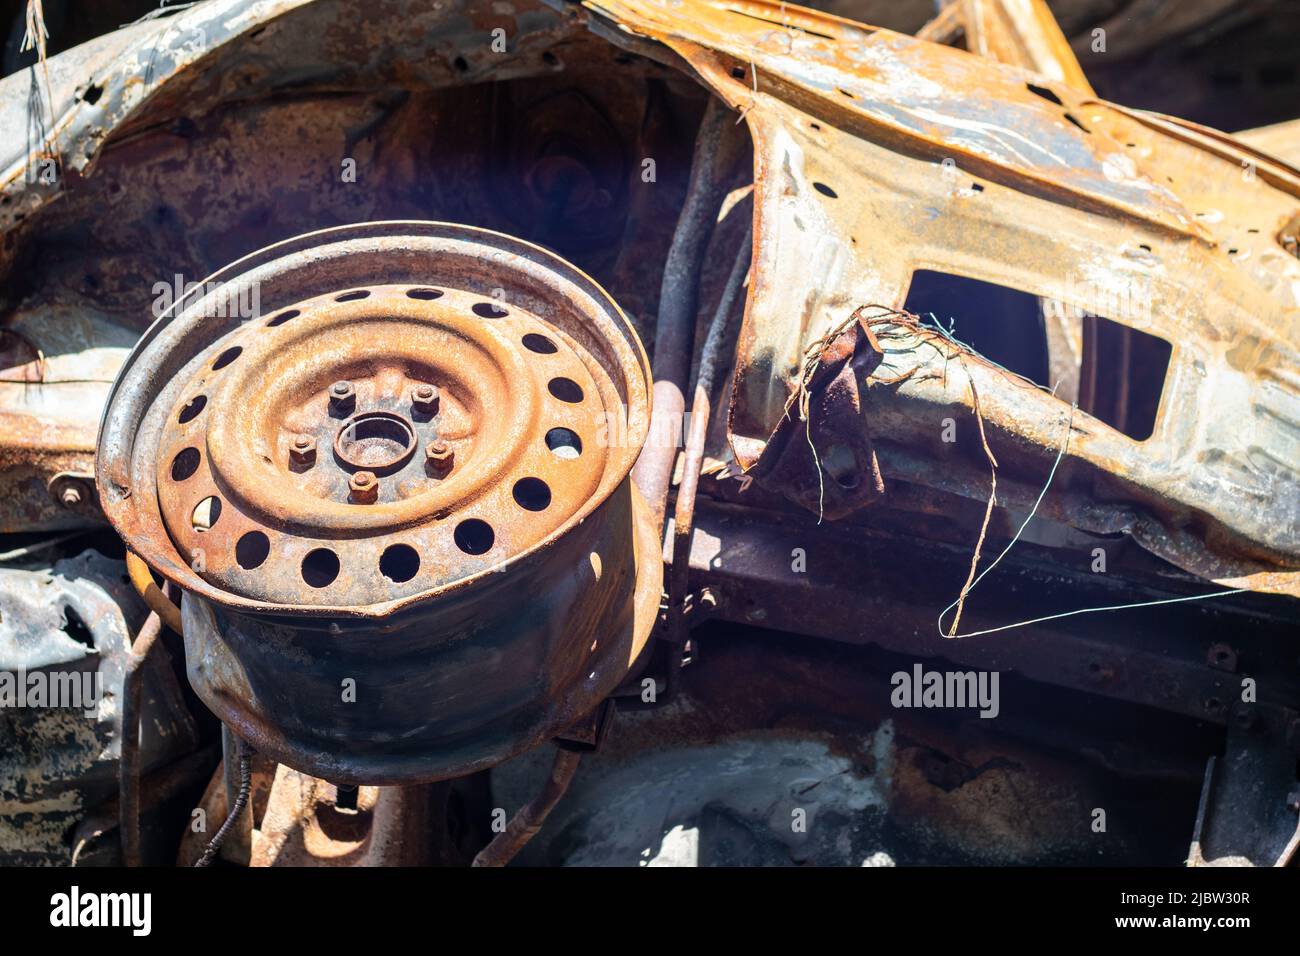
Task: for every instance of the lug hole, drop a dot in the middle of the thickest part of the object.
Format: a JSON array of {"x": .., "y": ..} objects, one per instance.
[{"x": 488, "y": 310}]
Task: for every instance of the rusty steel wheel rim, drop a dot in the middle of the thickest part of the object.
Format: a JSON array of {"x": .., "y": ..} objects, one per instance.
[
  {"x": 407, "y": 475},
  {"x": 539, "y": 406}
]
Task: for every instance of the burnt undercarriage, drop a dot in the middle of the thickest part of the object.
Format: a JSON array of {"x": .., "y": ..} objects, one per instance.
[{"x": 251, "y": 206}]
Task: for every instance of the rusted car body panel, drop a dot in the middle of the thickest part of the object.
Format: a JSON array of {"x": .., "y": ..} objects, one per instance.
[
  {"x": 1019, "y": 32},
  {"x": 940, "y": 160},
  {"x": 1281, "y": 140},
  {"x": 1068, "y": 198}
]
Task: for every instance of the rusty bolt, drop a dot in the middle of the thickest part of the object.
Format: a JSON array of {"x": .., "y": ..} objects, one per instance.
[
  {"x": 424, "y": 398},
  {"x": 303, "y": 450},
  {"x": 343, "y": 398},
  {"x": 73, "y": 491},
  {"x": 364, "y": 487},
  {"x": 440, "y": 455}
]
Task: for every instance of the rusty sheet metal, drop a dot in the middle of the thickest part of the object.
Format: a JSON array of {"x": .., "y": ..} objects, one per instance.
[
  {"x": 173, "y": 70},
  {"x": 33, "y": 450},
  {"x": 68, "y": 120},
  {"x": 877, "y": 155},
  {"x": 1281, "y": 140},
  {"x": 1018, "y": 32},
  {"x": 55, "y": 373}
]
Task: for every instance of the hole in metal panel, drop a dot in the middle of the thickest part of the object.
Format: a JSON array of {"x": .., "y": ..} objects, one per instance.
[
  {"x": 320, "y": 568},
  {"x": 185, "y": 464},
  {"x": 191, "y": 409},
  {"x": 252, "y": 550},
  {"x": 532, "y": 494},
  {"x": 474, "y": 536},
  {"x": 399, "y": 563},
  {"x": 564, "y": 443},
  {"x": 565, "y": 389}
]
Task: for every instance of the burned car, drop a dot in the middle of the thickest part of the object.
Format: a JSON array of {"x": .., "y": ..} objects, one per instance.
[{"x": 725, "y": 432}]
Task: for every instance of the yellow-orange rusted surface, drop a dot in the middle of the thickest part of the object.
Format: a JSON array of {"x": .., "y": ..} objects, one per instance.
[{"x": 878, "y": 154}]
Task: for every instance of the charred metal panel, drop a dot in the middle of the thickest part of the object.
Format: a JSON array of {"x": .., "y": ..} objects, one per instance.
[
  {"x": 877, "y": 155},
  {"x": 56, "y": 763}
]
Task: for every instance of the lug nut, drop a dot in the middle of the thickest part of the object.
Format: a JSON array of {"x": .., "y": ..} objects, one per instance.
[
  {"x": 440, "y": 455},
  {"x": 364, "y": 487},
  {"x": 424, "y": 398},
  {"x": 302, "y": 450},
  {"x": 343, "y": 398}
]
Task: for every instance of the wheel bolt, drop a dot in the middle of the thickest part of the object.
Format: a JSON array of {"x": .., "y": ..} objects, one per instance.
[
  {"x": 343, "y": 398},
  {"x": 440, "y": 455},
  {"x": 302, "y": 450},
  {"x": 364, "y": 487},
  {"x": 424, "y": 398}
]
